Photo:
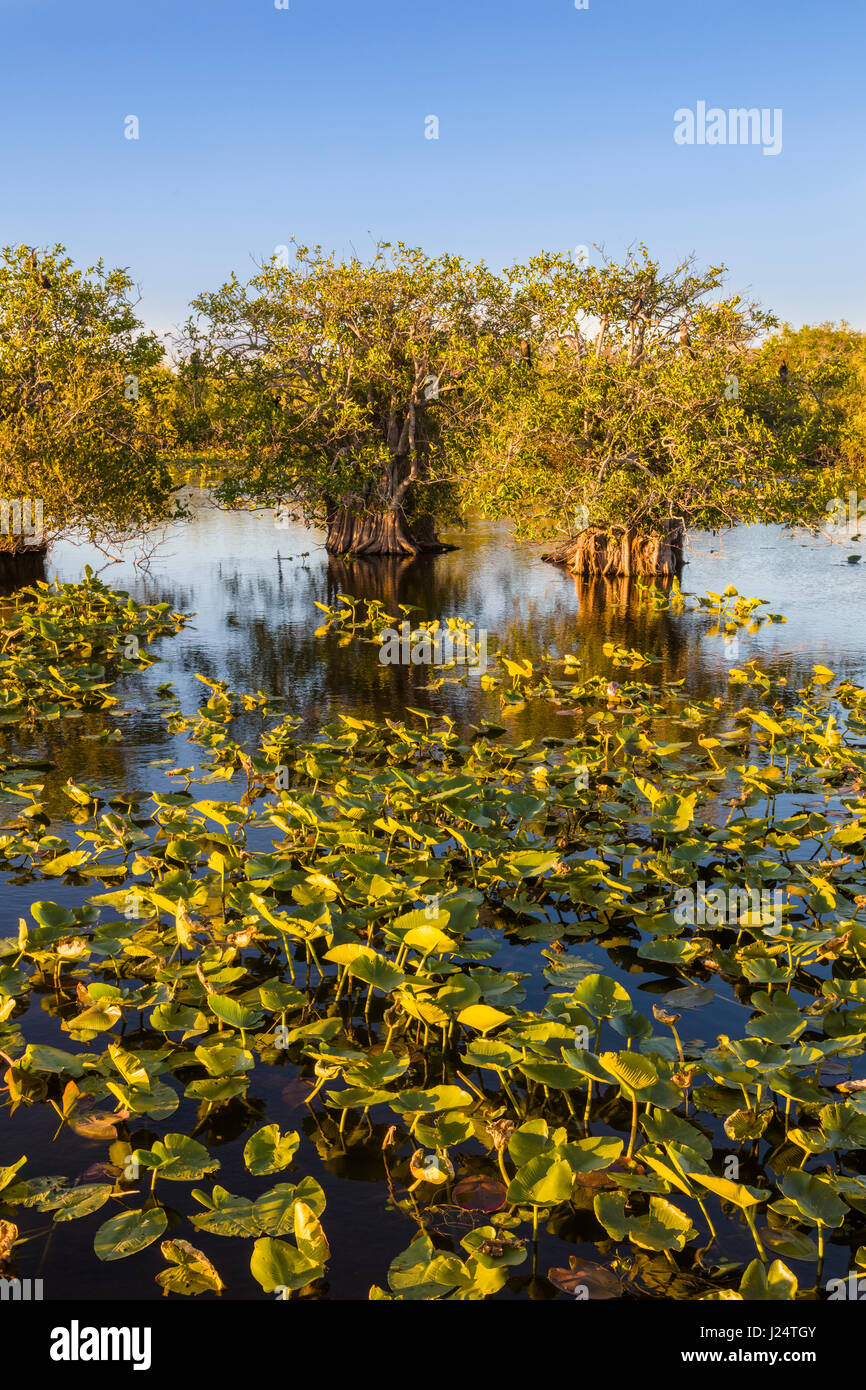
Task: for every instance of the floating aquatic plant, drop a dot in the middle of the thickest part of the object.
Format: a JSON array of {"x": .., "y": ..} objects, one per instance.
[{"x": 352, "y": 928}]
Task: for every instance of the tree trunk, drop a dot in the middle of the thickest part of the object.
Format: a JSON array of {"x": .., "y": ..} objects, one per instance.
[
  {"x": 620, "y": 550},
  {"x": 19, "y": 567},
  {"x": 384, "y": 533}
]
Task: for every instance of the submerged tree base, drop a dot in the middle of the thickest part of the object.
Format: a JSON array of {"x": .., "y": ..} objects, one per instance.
[
  {"x": 383, "y": 533},
  {"x": 620, "y": 550},
  {"x": 22, "y": 566}
]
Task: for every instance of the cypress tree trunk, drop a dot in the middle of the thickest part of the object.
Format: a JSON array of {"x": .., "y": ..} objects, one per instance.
[
  {"x": 382, "y": 533},
  {"x": 620, "y": 550},
  {"x": 25, "y": 566}
]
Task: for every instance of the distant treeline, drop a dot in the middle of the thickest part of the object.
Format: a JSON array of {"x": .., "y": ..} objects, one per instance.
[{"x": 607, "y": 407}]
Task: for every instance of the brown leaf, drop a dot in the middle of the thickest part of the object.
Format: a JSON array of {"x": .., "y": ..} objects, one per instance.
[
  {"x": 497, "y": 1248},
  {"x": 586, "y": 1280},
  {"x": 479, "y": 1194},
  {"x": 664, "y": 1016},
  {"x": 97, "y": 1124},
  {"x": 684, "y": 1077},
  {"x": 8, "y": 1237},
  {"x": 600, "y": 1180},
  {"x": 500, "y": 1132}
]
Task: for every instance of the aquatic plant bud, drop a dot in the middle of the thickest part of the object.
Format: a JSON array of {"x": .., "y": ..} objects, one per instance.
[
  {"x": 500, "y": 1132},
  {"x": 325, "y": 1071},
  {"x": 71, "y": 948},
  {"x": 430, "y": 1167},
  {"x": 684, "y": 1077},
  {"x": 242, "y": 938},
  {"x": 664, "y": 1016},
  {"x": 8, "y": 1237}
]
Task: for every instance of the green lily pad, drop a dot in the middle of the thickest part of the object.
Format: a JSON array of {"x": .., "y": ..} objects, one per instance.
[
  {"x": 269, "y": 1151},
  {"x": 128, "y": 1233}
]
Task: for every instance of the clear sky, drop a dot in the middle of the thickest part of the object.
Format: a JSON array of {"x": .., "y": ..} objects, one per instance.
[{"x": 556, "y": 129}]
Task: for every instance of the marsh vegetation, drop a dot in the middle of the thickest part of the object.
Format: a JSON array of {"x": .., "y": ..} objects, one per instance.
[{"x": 440, "y": 959}]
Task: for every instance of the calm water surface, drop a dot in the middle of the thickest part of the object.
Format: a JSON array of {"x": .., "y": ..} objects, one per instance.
[{"x": 252, "y": 586}]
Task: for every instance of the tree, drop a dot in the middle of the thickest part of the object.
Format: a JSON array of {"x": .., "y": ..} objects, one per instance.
[
  {"x": 829, "y": 361},
  {"x": 351, "y": 392},
  {"x": 649, "y": 410},
  {"x": 74, "y": 363},
  {"x": 181, "y": 407}
]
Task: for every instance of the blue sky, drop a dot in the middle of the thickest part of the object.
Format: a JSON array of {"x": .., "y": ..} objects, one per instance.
[{"x": 555, "y": 129}]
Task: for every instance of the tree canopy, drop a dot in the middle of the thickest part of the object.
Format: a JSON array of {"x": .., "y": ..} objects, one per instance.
[
  {"x": 74, "y": 360},
  {"x": 608, "y": 407},
  {"x": 651, "y": 408},
  {"x": 829, "y": 361},
  {"x": 352, "y": 393}
]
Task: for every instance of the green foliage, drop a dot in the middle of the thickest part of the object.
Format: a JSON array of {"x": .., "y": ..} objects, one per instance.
[
  {"x": 650, "y": 406},
  {"x": 297, "y": 914},
  {"x": 350, "y": 386},
  {"x": 827, "y": 363},
  {"x": 409, "y": 388},
  {"x": 74, "y": 366}
]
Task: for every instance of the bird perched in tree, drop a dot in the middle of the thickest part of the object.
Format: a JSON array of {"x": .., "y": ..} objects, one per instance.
[
  {"x": 525, "y": 352},
  {"x": 783, "y": 374},
  {"x": 685, "y": 340},
  {"x": 41, "y": 278}
]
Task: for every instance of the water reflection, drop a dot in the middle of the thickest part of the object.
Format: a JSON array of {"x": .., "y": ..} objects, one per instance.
[{"x": 253, "y": 586}]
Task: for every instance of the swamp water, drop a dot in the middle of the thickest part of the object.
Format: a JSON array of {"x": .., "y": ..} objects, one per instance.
[{"x": 252, "y": 587}]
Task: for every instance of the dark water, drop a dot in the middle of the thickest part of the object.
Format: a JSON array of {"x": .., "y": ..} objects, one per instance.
[{"x": 252, "y": 585}]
